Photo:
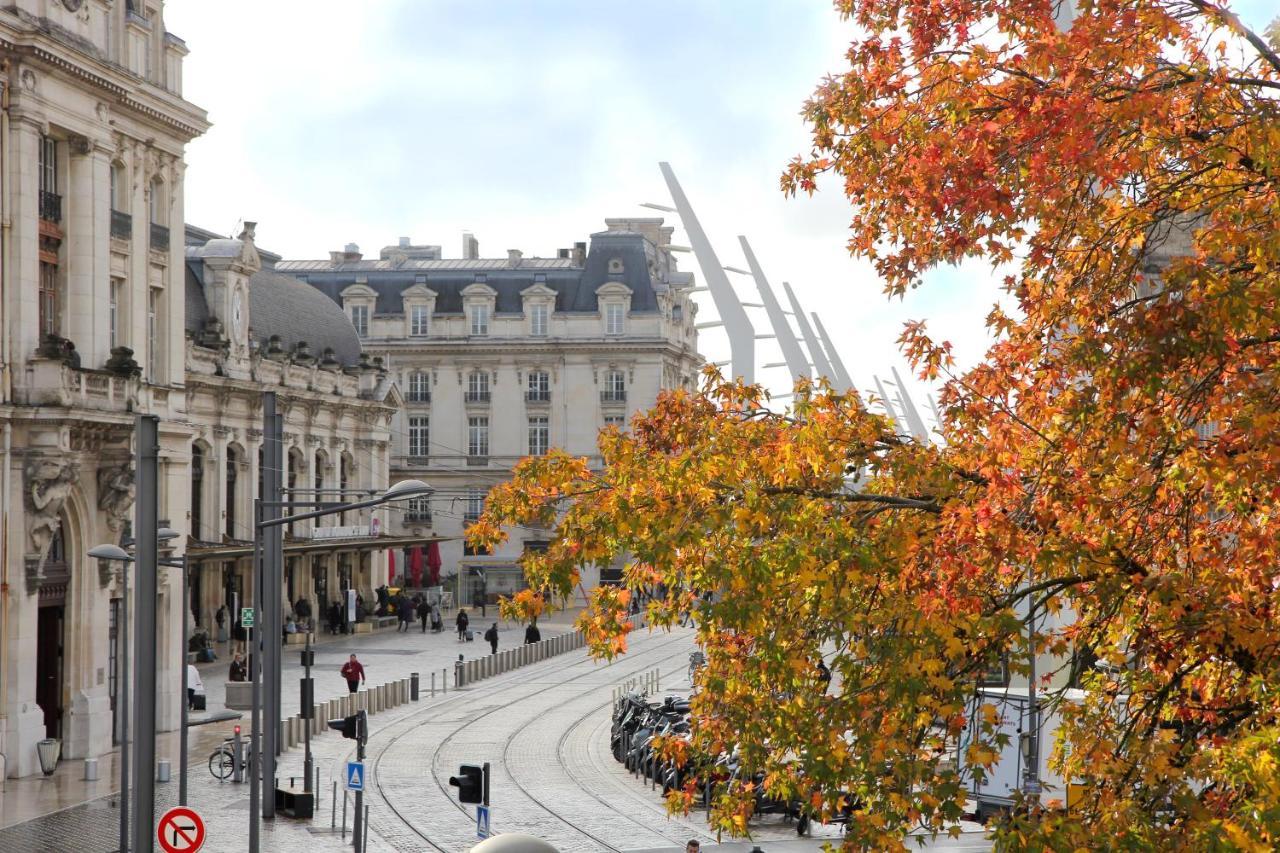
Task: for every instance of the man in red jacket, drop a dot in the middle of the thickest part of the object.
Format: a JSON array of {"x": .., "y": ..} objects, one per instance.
[{"x": 353, "y": 672}]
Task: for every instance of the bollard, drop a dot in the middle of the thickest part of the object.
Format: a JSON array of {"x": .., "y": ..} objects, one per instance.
[
  {"x": 344, "y": 814},
  {"x": 657, "y": 681},
  {"x": 444, "y": 681},
  {"x": 162, "y": 770},
  {"x": 333, "y": 803},
  {"x": 91, "y": 770},
  {"x": 413, "y": 686},
  {"x": 459, "y": 673},
  {"x": 433, "y": 685},
  {"x": 364, "y": 836}
]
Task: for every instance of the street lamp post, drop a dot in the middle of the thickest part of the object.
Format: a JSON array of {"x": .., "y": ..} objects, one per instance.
[
  {"x": 403, "y": 490},
  {"x": 114, "y": 553}
]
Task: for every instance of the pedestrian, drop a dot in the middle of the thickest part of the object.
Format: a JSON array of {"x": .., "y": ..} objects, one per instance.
[
  {"x": 237, "y": 672},
  {"x": 194, "y": 686},
  {"x": 694, "y": 846},
  {"x": 462, "y": 621},
  {"x": 437, "y": 621},
  {"x": 492, "y": 636},
  {"x": 221, "y": 618},
  {"x": 532, "y": 634},
  {"x": 353, "y": 672},
  {"x": 405, "y": 609},
  {"x": 424, "y": 612}
]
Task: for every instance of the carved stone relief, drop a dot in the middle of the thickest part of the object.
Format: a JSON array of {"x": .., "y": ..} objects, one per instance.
[{"x": 115, "y": 494}]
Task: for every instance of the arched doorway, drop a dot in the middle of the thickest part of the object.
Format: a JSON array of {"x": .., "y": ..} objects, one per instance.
[{"x": 51, "y": 634}]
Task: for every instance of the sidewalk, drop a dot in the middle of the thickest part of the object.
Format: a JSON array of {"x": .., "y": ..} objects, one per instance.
[{"x": 387, "y": 655}]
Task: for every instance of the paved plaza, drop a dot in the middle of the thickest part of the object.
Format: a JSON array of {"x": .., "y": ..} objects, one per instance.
[{"x": 544, "y": 729}]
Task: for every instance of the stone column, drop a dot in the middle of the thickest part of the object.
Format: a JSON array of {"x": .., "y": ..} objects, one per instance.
[{"x": 85, "y": 212}]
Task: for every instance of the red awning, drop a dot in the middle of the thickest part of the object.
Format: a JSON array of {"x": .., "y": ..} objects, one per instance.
[
  {"x": 415, "y": 566},
  {"x": 434, "y": 562}
]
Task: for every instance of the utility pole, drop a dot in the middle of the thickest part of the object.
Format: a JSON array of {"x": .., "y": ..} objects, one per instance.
[
  {"x": 272, "y": 546},
  {"x": 362, "y": 734},
  {"x": 144, "y": 737},
  {"x": 255, "y": 668},
  {"x": 308, "y": 712}
]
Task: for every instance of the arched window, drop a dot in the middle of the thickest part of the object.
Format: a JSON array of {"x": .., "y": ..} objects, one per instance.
[
  {"x": 233, "y": 472},
  {"x": 197, "y": 491},
  {"x": 344, "y": 478}
]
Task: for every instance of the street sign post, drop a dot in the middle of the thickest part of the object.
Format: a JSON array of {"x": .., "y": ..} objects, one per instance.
[
  {"x": 181, "y": 830},
  {"x": 355, "y": 775},
  {"x": 482, "y": 822},
  {"x": 246, "y": 617}
]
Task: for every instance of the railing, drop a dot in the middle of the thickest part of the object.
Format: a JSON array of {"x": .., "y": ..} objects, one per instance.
[
  {"x": 615, "y": 396},
  {"x": 478, "y": 461},
  {"x": 418, "y": 397},
  {"x": 477, "y": 396},
  {"x": 159, "y": 237},
  {"x": 121, "y": 225},
  {"x": 417, "y": 518},
  {"x": 50, "y": 206},
  {"x": 537, "y": 396}
]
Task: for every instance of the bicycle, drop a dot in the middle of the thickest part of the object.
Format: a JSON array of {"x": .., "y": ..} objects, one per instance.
[
  {"x": 222, "y": 762},
  {"x": 697, "y": 660}
]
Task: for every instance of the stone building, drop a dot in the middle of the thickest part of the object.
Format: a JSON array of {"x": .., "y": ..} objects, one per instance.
[
  {"x": 251, "y": 328},
  {"x": 94, "y": 127},
  {"x": 503, "y": 358}
]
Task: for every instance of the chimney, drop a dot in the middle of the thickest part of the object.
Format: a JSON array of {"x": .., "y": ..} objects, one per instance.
[
  {"x": 513, "y": 257},
  {"x": 404, "y": 243},
  {"x": 562, "y": 254},
  {"x": 351, "y": 252},
  {"x": 470, "y": 246},
  {"x": 579, "y": 254}
]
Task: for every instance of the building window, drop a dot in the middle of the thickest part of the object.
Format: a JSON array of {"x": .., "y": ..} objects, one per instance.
[
  {"x": 419, "y": 434},
  {"x": 117, "y": 286},
  {"x": 50, "y": 321},
  {"x": 615, "y": 387},
  {"x": 419, "y": 321},
  {"x": 539, "y": 435},
  {"x": 478, "y": 387},
  {"x": 478, "y": 437},
  {"x": 344, "y": 478},
  {"x": 157, "y": 205},
  {"x": 153, "y": 336},
  {"x": 538, "y": 389},
  {"x": 677, "y": 313},
  {"x": 614, "y": 318},
  {"x": 475, "y": 506},
  {"x": 119, "y": 189},
  {"x": 418, "y": 510},
  {"x": 479, "y": 319},
  {"x": 197, "y": 490},
  {"x": 419, "y": 387},
  {"x": 538, "y": 317},
  {"x": 48, "y": 165},
  {"x": 618, "y": 421},
  {"x": 233, "y": 474},
  {"x": 360, "y": 319}
]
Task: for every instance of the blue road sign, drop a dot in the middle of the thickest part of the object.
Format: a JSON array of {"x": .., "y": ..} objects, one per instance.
[
  {"x": 355, "y": 775},
  {"x": 482, "y": 822}
]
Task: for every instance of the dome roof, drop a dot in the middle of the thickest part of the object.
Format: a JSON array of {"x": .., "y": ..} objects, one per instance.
[{"x": 282, "y": 305}]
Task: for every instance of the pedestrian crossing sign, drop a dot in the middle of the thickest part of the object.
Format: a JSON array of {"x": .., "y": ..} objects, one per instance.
[
  {"x": 482, "y": 822},
  {"x": 355, "y": 775}
]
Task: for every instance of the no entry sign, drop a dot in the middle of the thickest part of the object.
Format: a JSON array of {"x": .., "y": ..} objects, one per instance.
[{"x": 180, "y": 830}]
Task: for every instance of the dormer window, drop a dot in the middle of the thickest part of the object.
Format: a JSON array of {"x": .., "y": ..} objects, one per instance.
[
  {"x": 419, "y": 321},
  {"x": 478, "y": 301},
  {"x": 358, "y": 301},
  {"x": 614, "y": 300},
  {"x": 539, "y": 319},
  {"x": 539, "y": 302}
]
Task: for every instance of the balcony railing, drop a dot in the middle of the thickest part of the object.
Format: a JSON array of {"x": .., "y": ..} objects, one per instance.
[
  {"x": 418, "y": 397},
  {"x": 159, "y": 237},
  {"x": 478, "y": 461},
  {"x": 121, "y": 225},
  {"x": 477, "y": 396},
  {"x": 417, "y": 518},
  {"x": 470, "y": 518},
  {"x": 616, "y": 395},
  {"x": 537, "y": 396},
  {"x": 50, "y": 206}
]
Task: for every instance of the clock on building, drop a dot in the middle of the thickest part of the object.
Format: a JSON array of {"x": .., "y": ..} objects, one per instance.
[{"x": 73, "y": 5}]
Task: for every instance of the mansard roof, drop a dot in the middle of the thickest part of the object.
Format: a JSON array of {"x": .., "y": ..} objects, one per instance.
[{"x": 575, "y": 286}]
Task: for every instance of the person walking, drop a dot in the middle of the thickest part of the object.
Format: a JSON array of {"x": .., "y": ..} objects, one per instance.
[
  {"x": 532, "y": 634},
  {"x": 353, "y": 672},
  {"x": 437, "y": 620},
  {"x": 492, "y": 636},
  {"x": 462, "y": 622},
  {"x": 195, "y": 687},
  {"x": 221, "y": 618},
  {"x": 424, "y": 613}
]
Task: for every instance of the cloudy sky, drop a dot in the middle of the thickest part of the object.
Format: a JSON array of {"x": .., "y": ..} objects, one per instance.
[{"x": 528, "y": 122}]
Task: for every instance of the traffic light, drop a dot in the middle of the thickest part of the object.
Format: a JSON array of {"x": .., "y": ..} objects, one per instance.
[
  {"x": 470, "y": 784},
  {"x": 351, "y": 727}
]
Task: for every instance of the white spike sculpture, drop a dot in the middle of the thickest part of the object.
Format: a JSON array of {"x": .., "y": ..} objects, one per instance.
[
  {"x": 842, "y": 379},
  {"x": 887, "y": 403},
  {"x": 742, "y": 345},
  {"x": 816, "y": 354},
  {"x": 914, "y": 421},
  {"x": 792, "y": 353}
]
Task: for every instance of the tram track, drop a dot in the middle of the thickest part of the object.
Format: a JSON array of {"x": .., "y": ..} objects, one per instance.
[{"x": 407, "y": 820}]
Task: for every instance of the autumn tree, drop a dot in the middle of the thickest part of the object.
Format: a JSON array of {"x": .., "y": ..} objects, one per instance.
[{"x": 1112, "y": 461}]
